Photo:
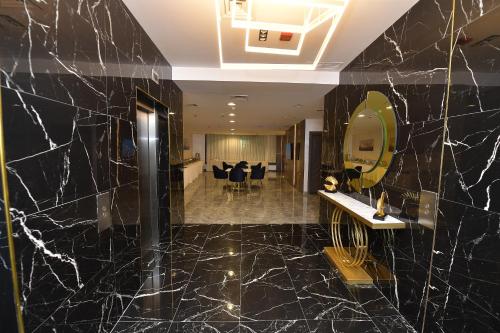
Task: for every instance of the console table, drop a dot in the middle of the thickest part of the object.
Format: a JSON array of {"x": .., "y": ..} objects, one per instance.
[{"x": 350, "y": 260}]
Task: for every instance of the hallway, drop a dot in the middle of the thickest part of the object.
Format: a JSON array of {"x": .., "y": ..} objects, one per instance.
[
  {"x": 277, "y": 202},
  {"x": 370, "y": 130},
  {"x": 256, "y": 278}
]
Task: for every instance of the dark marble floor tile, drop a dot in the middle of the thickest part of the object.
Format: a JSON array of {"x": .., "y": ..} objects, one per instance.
[
  {"x": 292, "y": 229},
  {"x": 295, "y": 244},
  {"x": 223, "y": 238},
  {"x": 156, "y": 301},
  {"x": 222, "y": 230},
  {"x": 257, "y": 239},
  {"x": 80, "y": 327},
  {"x": 210, "y": 302},
  {"x": 251, "y": 228},
  {"x": 217, "y": 268},
  {"x": 291, "y": 326},
  {"x": 205, "y": 327},
  {"x": 373, "y": 301},
  {"x": 342, "y": 326},
  {"x": 190, "y": 239},
  {"x": 182, "y": 265},
  {"x": 192, "y": 228},
  {"x": 324, "y": 296},
  {"x": 267, "y": 292},
  {"x": 261, "y": 263},
  {"x": 393, "y": 324},
  {"x": 142, "y": 326},
  {"x": 301, "y": 266}
]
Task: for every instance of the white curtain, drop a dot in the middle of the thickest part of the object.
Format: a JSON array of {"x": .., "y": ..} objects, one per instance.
[{"x": 241, "y": 147}]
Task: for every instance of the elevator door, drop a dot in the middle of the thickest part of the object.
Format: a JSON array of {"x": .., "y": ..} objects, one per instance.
[
  {"x": 147, "y": 135},
  {"x": 154, "y": 205}
]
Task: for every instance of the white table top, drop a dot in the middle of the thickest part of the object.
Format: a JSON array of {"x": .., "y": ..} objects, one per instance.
[
  {"x": 245, "y": 170},
  {"x": 361, "y": 211}
]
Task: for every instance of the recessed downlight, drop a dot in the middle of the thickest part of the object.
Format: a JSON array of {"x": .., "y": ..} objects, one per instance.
[
  {"x": 231, "y": 104},
  {"x": 232, "y": 114},
  {"x": 232, "y": 121},
  {"x": 232, "y": 129}
]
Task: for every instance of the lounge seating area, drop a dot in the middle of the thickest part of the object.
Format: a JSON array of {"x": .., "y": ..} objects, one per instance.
[{"x": 239, "y": 176}]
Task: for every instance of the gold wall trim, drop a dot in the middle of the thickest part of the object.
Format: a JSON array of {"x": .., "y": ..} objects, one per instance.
[
  {"x": 441, "y": 161},
  {"x": 8, "y": 222}
]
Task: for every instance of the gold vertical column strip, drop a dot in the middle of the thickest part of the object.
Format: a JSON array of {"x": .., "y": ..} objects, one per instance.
[
  {"x": 8, "y": 222},
  {"x": 445, "y": 131}
]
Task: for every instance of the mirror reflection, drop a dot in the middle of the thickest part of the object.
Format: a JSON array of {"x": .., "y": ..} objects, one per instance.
[{"x": 369, "y": 141}]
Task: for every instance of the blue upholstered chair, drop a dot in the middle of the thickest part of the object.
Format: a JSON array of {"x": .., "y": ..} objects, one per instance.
[
  {"x": 219, "y": 174},
  {"x": 237, "y": 177},
  {"x": 226, "y": 166},
  {"x": 258, "y": 174},
  {"x": 258, "y": 166}
]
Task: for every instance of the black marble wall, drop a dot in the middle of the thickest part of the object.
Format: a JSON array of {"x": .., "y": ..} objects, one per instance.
[
  {"x": 69, "y": 73},
  {"x": 447, "y": 142}
]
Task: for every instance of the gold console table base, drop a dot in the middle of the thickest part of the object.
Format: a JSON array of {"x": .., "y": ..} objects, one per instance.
[
  {"x": 369, "y": 271},
  {"x": 350, "y": 274}
]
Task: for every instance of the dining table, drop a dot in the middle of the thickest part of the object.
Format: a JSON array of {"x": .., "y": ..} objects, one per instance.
[{"x": 246, "y": 170}]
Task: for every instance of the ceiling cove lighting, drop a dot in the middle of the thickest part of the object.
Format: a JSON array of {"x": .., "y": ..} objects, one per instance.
[{"x": 334, "y": 10}]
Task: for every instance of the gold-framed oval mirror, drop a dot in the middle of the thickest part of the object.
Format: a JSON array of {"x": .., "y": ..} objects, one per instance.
[{"x": 370, "y": 140}]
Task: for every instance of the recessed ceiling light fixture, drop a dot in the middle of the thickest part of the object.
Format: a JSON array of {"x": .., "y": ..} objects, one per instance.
[
  {"x": 232, "y": 121},
  {"x": 232, "y": 114},
  {"x": 231, "y": 104},
  {"x": 232, "y": 129},
  {"x": 325, "y": 10}
]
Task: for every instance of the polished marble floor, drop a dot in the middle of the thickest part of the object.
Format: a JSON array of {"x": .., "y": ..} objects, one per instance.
[
  {"x": 276, "y": 201},
  {"x": 253, "y": 278}
]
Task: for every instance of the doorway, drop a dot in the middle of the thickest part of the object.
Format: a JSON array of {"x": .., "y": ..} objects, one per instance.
[{"x": 314, "y": 175}]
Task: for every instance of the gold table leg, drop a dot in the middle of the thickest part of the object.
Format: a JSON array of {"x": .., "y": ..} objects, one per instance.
[{"x": 349, "y": 261}]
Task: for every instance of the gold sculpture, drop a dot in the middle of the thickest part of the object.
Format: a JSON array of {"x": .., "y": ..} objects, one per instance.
[
  {"x": 380, "y": 213},
  {"x": 331, "y": 184}
]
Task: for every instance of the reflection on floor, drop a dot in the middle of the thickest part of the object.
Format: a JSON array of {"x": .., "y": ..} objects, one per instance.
[
  {"x": 254, "y": 278},
  {"x": 277, "y": 202}
]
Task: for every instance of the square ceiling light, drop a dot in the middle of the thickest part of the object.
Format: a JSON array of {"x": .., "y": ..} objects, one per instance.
[{"x": 258, "y": 16}]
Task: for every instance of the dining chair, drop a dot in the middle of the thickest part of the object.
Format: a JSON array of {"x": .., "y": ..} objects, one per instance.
[
  {"x": 258, "y": 166},
  {"x": 226, "y": 166},
  {"x": 242, "y": 164},
  {"x": 219, "y": 174},
  {"x": 237, "y": 176},
  {"x": 258, "y": 174}
]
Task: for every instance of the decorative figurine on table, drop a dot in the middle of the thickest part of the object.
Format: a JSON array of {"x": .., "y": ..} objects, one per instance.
[
  {"x": 380, "y": 213},
  {"x": 331, "y": 184}
]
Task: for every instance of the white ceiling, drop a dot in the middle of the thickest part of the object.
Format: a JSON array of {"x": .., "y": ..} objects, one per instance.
[
  {"x": 271, "y": 107},
  {"x": 186, "y": 33}
]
